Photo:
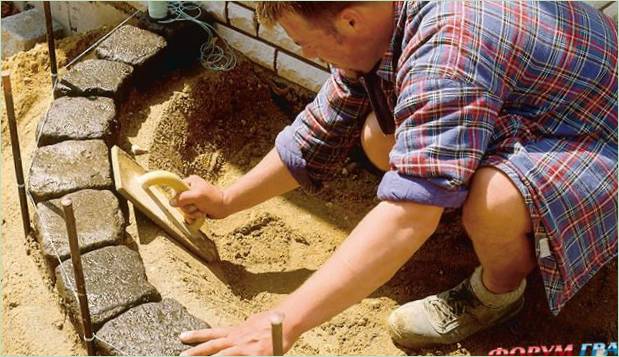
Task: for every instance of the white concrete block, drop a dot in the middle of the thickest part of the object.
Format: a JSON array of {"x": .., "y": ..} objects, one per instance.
[
  {"x": 139, "y": 5},
  {"x": 20, "y": 5},
  {"x": 61, "y": 13},
  {"x": 251, "y": 4},
  {"x": 256, "y": 50},
  {"x": 82, "y": 16},
  {"x": 242, "y": 18},
  {"x": 301, "y": 73},
  {"x": 215, "y": 8},
  {"x": 612, "y": 11},
  {"x": 277, "y": 35},
  {"x": 94, "y": 15},
  {"x": 20, "y": 32},
  {"x": 598, "y": 4}
]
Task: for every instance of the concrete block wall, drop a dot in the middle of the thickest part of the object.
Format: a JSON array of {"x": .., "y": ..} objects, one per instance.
[
  {"x": 612, "y": 10},
  {"x": 80, "y": 16},
  {"x": 24, "y": 30},
  {"x": 269, "y": 47}
]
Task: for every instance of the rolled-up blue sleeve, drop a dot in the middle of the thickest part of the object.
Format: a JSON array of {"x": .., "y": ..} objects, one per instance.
[
  {"x": 398, "y": 187},
  {"x": 444, "y": 127},
  {"x": 316, "y": 144},
  {"x": 290, "y": 154}
]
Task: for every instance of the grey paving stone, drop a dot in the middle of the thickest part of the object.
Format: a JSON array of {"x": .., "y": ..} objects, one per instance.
[
  {"x": 20, "y": 32},
  {"x": 98, "y": 218},
  {"x": 69, "y": 166},
  {"x": 95, "y": 77},
  {"x": 131, "y": 45},
  {"x": 115, "y": 282},
  {"x": 78, "y": 118},
  {"x": 149, "y": 329}
]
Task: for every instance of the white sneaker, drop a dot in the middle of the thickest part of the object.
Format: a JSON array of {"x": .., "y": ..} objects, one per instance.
[{"x": 452, "y": 315}]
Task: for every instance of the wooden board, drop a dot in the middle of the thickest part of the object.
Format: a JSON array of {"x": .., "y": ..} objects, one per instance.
[{"x": 154, "y": 203}]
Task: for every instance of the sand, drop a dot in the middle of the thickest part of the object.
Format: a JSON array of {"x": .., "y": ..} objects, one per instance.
[{"x": 219, "y": 126}]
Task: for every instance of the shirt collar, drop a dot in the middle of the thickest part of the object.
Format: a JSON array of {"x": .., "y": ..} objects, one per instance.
[{"x": 385, "y": 68}]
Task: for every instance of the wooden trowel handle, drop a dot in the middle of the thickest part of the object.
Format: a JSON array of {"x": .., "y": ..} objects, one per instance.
[{"x": 172, "y": 180}]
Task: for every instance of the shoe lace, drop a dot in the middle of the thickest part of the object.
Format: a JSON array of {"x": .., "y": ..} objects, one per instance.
[{"x": 452, "y": 304}]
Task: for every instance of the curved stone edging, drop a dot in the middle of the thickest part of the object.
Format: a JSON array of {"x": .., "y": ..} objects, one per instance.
[{"x": 72, "y": 160}]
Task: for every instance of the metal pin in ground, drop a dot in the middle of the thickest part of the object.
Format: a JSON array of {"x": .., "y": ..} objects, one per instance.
[
  {"x": 19, "y": 172},
  {"x": 69, "y": 216},
  {"x": 277, "y": 320},
  {"x": 50, "y": 43}
]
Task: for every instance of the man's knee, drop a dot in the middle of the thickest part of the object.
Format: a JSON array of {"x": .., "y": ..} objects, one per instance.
[
  {"x": 494, "y": 206},
  {"x": 375, "y": 143}
]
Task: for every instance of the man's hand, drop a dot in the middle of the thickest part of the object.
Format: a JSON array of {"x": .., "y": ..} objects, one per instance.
[
  {"x": 380, "y": 244},
  {"x": 268, "y": 179},
  {"x": 251, "y": 338},
  {"x": 202, "y": 199}
]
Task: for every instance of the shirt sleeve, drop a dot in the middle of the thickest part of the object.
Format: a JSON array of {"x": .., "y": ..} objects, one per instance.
[
  {"x": 449, "y": 99},
  {"x": 444, "y": 127},
  {"x": 315, "y": 145}
]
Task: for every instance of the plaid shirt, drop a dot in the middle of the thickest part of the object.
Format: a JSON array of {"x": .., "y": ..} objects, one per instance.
[{"x": 527, "y": 87}]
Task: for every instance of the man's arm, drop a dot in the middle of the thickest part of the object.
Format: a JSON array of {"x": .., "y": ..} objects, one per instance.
[
  {"x": 382, "y": 242},
  {"x": 308, "y": 151},
  {"x": 266, "y": 180}
]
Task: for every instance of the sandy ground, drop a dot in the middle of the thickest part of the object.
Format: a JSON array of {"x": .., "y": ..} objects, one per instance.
[{"x": 219, "y": 126}]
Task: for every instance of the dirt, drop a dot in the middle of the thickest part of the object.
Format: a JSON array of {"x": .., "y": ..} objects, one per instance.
[{"x": 219, "y": 125}]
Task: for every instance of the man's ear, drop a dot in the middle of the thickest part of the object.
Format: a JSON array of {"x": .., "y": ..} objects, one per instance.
[{"x": 349, "y": 21}]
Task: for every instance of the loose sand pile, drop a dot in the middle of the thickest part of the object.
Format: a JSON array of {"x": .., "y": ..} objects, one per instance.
[{"x": 218, "y": 125}]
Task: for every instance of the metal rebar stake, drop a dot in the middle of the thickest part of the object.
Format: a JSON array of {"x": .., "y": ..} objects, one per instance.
[
  {"x": 276, "y": 334},
  {"x": 19, "y": 171},
  {"x": 50, "y": 43},
  {"x": 76, "y": 259}
]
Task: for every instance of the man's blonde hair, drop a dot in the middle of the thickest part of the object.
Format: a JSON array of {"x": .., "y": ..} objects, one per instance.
[{"x": 269, "y": 12}]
